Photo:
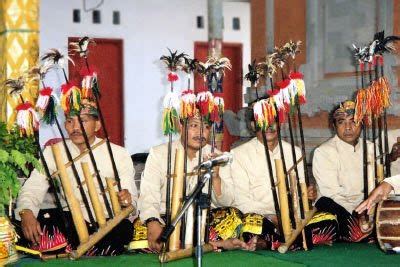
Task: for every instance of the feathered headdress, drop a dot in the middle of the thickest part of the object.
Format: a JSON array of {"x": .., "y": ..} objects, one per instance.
[
  {"x": 54, "y": 57},
  {"x": 174, "y": 62},
  {"x": 15, "y": 86},
  {"x": 70, "y": 98},
  {"x": 81, "y": 46}
]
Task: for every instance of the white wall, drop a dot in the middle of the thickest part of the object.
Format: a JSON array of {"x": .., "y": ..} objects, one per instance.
[{"x": 147, "y": 29}]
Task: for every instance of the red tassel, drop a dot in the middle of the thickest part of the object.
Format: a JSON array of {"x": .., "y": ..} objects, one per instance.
[
  {"x": 283, "y": 84},
  {"x": 24, "y": 106},
  {"x": 296, "y": 75},
  {"x": 66, "y": 86},
  {"x": 172, "y": 77},
  {"x": 46, "y": 91}
]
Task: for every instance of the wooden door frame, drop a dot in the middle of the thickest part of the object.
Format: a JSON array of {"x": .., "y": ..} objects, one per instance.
[
  {"x": 234, "y": 45},
  {"x": 118, "y": 42}
]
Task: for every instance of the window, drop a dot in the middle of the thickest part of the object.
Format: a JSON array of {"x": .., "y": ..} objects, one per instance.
[
  {"x": 236, "y": 24},
  {"x": 76, "y": 16},
  {"x": 96, "y": 16},
  {"x": 116, "y": 18},
  {"x": 200, "y": 22}
]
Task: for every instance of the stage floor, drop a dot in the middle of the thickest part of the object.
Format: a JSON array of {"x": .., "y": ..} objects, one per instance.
[{"x": 337, "y": 255}]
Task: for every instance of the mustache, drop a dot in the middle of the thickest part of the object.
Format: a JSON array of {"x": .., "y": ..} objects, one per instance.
[
  {"x": 76, "y": 133},
  {"x": 197, "y": 138}
]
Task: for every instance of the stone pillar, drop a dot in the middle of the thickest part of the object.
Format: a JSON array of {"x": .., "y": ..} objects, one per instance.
[
  {"x": 19, "y": 47},
  {"x": 215, "y": 27}
]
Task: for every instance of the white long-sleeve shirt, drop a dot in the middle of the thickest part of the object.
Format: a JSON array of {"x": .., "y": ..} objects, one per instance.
[
  {"x": 249, "y": 171},
  {"x": 153, "y": 187},
  {"x": 36, "y": 186},
  {"x": 338, "y": 171}
]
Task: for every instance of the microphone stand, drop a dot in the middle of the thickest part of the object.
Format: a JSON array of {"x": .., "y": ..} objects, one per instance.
[{"x": 201, "y": 201}]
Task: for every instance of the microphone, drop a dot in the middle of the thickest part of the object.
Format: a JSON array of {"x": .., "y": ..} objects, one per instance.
[{"x": 223, "y": 159}]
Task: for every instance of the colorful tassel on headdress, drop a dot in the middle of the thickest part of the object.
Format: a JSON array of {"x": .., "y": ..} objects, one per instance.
[
  {"x": 372, "y": 101},
  {"x": 172, "y": 77},
  {"x": 43, "y": 98},
  {"x": 70, "y": 98},
  {"x": 27, "y": 119},
  {"x": 188, "y": 104},
  {"x": 170, "y": 113},
  {"x": 359, "y": 107},
  {"x": 264, "y": 113},
  {"x": 284, "y": 90},
  {"x": 297, "y": 77},
  {"x": 205, "y": 103},
  {"x": 218, "y": 109},
  {"x": 90, "y": 86},
  {"x": 277, "y": 97}
]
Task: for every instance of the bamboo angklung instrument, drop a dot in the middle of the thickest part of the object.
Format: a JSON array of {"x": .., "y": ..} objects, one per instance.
[
  {"x": 176, "y": 201},
  {"x": 94, "y": 197},
  {"x": 73, "y": 203},
  {"x": 86, "y": 241},
  {"x": 113, "y": 196},
  {"x": 272, "y": 182},
  {"x": 300, "y": 223},
  {"x": 283, "y": 200}
]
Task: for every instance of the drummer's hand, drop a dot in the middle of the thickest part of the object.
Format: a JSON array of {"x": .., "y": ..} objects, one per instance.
[
  {"x": 312, "y": 192},
  {"x": 124, "y": 198},
  {"x": 378, "y": 194},
  {"x": 154, "y": 230},
  {"x": 395, "y": 153}
]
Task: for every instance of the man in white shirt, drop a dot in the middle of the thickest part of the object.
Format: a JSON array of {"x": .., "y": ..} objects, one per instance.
[
  {"x": 338, "y": 171},
  {"x": 253, "y": 195},
  {"x": 152, "y": 200},
  {"x": 38, "y": 225}
]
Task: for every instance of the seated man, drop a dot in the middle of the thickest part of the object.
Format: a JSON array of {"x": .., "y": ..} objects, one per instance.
[
  {"x": 152, "y": 199},
  {"x": 39, "y": 226},
  {"x": 338, "y": 171},
  {"x": 253, "y": 194}
]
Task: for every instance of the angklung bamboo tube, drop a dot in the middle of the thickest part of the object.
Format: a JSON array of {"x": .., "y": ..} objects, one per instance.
[
  {"x": 73, "y": 203},
  {"x": 183, "y": 253},
  {"x": 94, "y": 196},
  {"x": 113, "y": 196},
  {"x": 308, "y": 216},
  {"x": 176, "y": 200},
  {"x": 295, "y": 197},
  {"x": 283, "y": 199},
  {"x": 379, "y": 172},
  {"x": 304, "y": 196},
  {"x": 96, "y": 237},
  {"x": 69, "y": 163},
  {"x": 189, "y": 227}
]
